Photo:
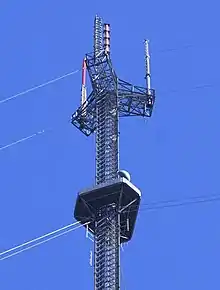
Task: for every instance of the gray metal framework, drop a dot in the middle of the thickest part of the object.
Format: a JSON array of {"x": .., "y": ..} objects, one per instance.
[
  {"x": 107, "y": 248},
  {"x": 110, "y": 99},
  {"x": 110, "y": 209},
  {"x": 104, "y": 84}
]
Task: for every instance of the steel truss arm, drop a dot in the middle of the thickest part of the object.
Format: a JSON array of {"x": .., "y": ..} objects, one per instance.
[
  {"x": 134, "y": 100},
  {"x": 85, "y": 116}
]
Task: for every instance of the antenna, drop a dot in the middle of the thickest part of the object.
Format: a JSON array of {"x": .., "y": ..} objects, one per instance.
[
  {"x": 107, "y": 38},
  {"x": 111, "y": 206},
  {"x": 147, "y": 73},
  {"x": 147, "y": 64},
  {"x": 83, "y": 89},
  {"x": 98, "y": 36}
]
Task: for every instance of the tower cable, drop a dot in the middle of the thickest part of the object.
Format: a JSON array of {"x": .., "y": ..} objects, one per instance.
[
  {"x": 22, "y": 140},
  {"x": 41, "y": 242},
  {"x": 39, "y": 238},
  {"x": 39, "y": 86}
]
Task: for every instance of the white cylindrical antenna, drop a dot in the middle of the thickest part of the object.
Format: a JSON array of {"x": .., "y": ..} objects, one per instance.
[
  {"x": 107, "y": 38},
  {"x": 147, "y": 65},
  {"x": 83, "y": 88}
]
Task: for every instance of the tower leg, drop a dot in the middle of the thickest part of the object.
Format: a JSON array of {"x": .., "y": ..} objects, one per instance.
[{"x": 107, "y": 248}]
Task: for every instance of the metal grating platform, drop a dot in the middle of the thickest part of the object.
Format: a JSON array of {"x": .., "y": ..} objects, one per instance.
[{"x": 120, "y": 192}]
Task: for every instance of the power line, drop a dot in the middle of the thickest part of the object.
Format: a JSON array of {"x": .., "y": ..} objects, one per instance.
[
  {"x": 168, "y": 204},
  {"x": 185, "y": 203},
  {"x": 188, "y": 199},
  {"x": 44, "y": 131},
  {"x": 197, "y": 87},
  {"x": 35, "y": 245},
  {"x": 39, "y": 238},
  {"x": 22, "y": 140},
  {"x": 40, "y": 243},
  {"x": 39, "y": 86}
]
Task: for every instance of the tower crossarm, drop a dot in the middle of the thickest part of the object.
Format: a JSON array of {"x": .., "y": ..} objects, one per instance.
[
  {"x": 135, "y": 100},
  {"x": 85, "y": 116},
  {"x": 132, "y": 100}
]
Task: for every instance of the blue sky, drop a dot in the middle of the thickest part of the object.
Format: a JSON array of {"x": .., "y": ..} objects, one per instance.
[{"x": 174, "y": 155}]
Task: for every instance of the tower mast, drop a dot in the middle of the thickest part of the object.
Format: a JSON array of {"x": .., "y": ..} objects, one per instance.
[
  {"x": 104, "y": 83},
  {"x": 111, "y": 206}
]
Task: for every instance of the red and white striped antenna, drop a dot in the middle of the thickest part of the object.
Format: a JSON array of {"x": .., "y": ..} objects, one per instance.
[{"x": 83, "y": 89}]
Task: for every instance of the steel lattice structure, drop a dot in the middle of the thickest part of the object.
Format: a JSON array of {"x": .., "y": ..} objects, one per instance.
[
  {"x": 103, "y": 205},
  {"x": 107, "y": 248}
]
